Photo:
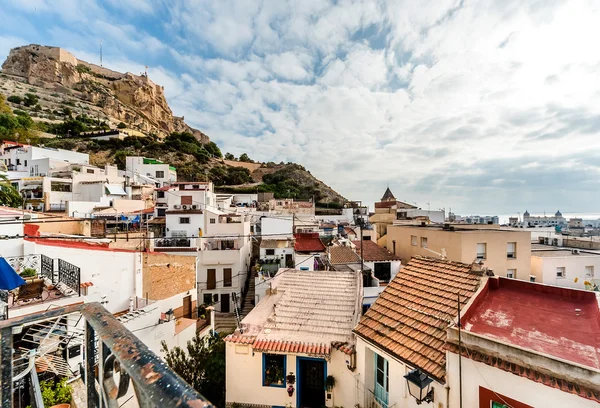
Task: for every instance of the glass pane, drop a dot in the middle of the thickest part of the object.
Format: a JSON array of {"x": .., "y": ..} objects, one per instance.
[
  {"x": 380, "y": 361},
  {"x": 380, "y": 378}
]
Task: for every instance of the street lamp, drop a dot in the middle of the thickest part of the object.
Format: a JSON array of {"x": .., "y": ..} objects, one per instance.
[{"x": 419, "y": 386}]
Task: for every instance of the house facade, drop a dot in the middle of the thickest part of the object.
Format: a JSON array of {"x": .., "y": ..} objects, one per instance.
[
  {"x": 405, "y": 330},
  {"x": 143, "y": 169},
  {"x": 301, "y": 329},
  {"x": 507, "y": 252},
  {"x": 565, "y": 267},
  {"x": 309, "y": 252},
  {"x": 383, "y": 263}
]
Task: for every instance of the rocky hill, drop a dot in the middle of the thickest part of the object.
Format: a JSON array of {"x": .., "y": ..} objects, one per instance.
[
  {"x": 120, "y": 97},
  {"x": 55, "y": 97}
]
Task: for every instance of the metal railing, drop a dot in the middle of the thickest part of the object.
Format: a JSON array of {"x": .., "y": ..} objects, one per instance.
[
  {"x": 173, "y": 243},
  {"x": 110, "y": 349},
  {"x": 46, "y": 267}
]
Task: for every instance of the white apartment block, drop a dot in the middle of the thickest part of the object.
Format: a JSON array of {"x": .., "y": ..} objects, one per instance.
[
  {"x": 144, "y": 170},
  {"x": 565, "y": 267}
]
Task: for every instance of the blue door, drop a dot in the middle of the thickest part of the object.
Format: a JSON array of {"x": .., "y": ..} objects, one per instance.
[{"x": 382, "y": 385}]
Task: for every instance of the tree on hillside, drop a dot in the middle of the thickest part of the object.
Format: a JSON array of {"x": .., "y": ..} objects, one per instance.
[
  {"x": 15, "y": 127},
  {"x": 31, "y": 99},
  {"x": 15, "y": 99},
  {"x": 213, "y": 149},
  {"x": 244, "y": 158},
  {"x": 9, "y": 196},
  {"x": 121, "y": 125},
  {"x": 202, "y": 365},
  {"x": 229, "y": 156}
]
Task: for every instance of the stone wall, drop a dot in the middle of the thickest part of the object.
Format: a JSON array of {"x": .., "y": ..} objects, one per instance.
[{"x": 165, "y": 275}]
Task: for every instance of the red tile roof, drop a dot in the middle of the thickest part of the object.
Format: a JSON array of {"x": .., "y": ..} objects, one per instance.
[
  {"x": 309, "y": 242},
  {"x": 373, "y": 252},
  {"x": 541, "y": 318},
  {"x": 342, "y": 255},
  {"x": 281, "y": 346},
  {"x": 410, "y": 317}
]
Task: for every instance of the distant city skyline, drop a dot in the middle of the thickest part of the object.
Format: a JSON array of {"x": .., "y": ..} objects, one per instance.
[{"x": 485, "y": 106}]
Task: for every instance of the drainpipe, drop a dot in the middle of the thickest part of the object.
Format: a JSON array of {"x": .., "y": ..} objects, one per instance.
[
  {"x": 212, "y": 319},
  {"x": 131, "y": 304},
  {"x": 394, "y": 245}
]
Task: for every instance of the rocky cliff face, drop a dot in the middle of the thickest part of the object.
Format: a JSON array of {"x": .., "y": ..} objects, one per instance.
[{"x": 133, "y": 99}]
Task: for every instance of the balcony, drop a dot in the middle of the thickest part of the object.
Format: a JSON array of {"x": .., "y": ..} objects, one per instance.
[
  {"x": 175, "y": 245},
  {"x": 104, "y": 363},
  {"x": 52, "y": 279}
]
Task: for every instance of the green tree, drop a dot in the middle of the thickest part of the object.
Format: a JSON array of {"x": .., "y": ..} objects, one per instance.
[
  {"x": 244, "y": 158},
  {"x": 121, "y": 125},
  {"x": 229, "y": 156},
  {"x": 213, "y": 149},
  {"x": 15, "y": 99},
  {"x": 9, "y": 196},
  {"x": 202, "y": 365},
  {"x": 31, "y": 99},
  {"x": 66, "y": 111}
]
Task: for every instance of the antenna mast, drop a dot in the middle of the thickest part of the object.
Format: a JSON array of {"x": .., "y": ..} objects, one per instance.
[{"x": 100, "y": 53}]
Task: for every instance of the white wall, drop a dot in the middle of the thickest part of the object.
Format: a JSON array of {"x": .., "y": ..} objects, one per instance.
[
  {"x": 270, "y": 227},
  {"x": 544, "y": 269},
  {"x": 111, "y": 272},
  {"x": 305, "y": 261},
  {"x": 11, "y": 247},
  {"x": 510, "y": 385},
  {"x": 191, "y": 229},
  {"x": 398, "y": 389}
]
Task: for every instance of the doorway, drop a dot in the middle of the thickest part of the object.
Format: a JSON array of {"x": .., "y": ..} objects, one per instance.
[
  {"x": 311, "y": 382},
  {"x": 225, "y": 302},
  {"x": 187, "y": 307},
  {"x": 289, "y": 261}
]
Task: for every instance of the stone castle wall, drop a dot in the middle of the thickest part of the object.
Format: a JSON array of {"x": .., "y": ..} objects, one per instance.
[{"x": 56, "y": 53}]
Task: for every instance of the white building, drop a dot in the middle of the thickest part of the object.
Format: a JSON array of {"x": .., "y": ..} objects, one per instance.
[
  {"x": 309, "y": 252},
  {"x": 150, "y": 170},
  {"x": 220, "y": 241},
  {"x": 384, "y": 264},
  {"x": 279, "y": 253},
  {"x": 405, "y": 329},
  {"x": 543, "y": 221},
  {"x": 435, "y": 216},
  {"x": 295, "y": 338},
  {"x": 564, "y": 267},
  {"x": 525, "y": 345}
]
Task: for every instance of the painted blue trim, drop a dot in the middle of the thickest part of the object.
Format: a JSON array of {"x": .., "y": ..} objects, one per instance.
[
  {"x": 264, "y": 358},
  {"x": 299, "y": 377}
]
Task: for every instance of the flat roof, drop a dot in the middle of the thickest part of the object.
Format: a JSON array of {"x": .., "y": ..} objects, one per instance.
[
  {"x": 560, "y": 253},
  {"x": 540, "y": 318},
  {"x": 459, "y": 228}
]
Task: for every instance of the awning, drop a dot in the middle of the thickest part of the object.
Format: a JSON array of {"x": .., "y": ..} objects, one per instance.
[
  {"x": 9, "y": 279},
  {"x": 115, "y": 189},
  {"x": 225, "y": 237}
]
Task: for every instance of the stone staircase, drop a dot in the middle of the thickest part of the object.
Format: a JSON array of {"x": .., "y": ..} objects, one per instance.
[{"x": 226, "y": 322}]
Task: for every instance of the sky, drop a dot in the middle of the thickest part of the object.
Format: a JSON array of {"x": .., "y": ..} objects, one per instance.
[{"x": 485, "y": 107}]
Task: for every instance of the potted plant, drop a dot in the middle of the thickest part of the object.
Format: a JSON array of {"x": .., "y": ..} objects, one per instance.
[
  {"x": 330, "y": 382},
  {"x": 56, "y": 394},
  {"x": 291, "y": 380},
  {"x": 28, "y": 273}
]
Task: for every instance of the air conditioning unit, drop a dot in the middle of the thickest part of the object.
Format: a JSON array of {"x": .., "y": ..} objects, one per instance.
[
  {"x": 194, "y": 207},
  {"x": 185, "y": 207},
  {"x": 575, "y": 251},
  {"x": 177, "y": 207}
]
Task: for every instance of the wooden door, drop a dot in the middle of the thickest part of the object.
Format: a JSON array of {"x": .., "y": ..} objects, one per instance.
[
  {"x": 227, "y": 277},
  {"x": 187, "y": 307},
  {"x": 225, "y": 302},
  {"x": 211, "y": 278}
]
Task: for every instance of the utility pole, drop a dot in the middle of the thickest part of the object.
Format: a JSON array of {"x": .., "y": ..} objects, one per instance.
[{"x": 459, "y": 356}]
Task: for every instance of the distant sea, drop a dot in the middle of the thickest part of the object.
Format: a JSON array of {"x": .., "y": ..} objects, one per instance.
[{"x": 567, "y": 215}]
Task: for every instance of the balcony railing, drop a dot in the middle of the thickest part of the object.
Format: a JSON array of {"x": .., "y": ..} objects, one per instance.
[
  {"x": 173, "y": 243},
  {"x": 54, "y": 278},
  {"x": 114, "y": 360}
]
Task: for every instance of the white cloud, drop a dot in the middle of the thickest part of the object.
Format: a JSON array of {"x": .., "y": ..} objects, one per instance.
[{"x": 443, "y": 100}]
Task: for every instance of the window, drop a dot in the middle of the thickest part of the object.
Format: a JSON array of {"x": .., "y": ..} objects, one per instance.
[
  {"x": 211, "y": 279},
  {"x": 89, "y": 171},
  {"x": 532, "y": 278},
  {"x": 55, "y": 186},
  {"x": 561, "y": 272},
  {"x": 18, "y": 162},
  {"x": 413, "y": 240},
  {"x": 184, "y": 220},
  {"x": 423, "y": 242},
  {"x": 274, "y": 370},
  {"x": 212, "y": 220},
  {"x": 186, "y": 200},
  {"x": 207, "y": 299},
  {"x": 216, "y": 298},
  {"x": 270, "y": 252},
  {"x": 511, "y": 273},
  {"x": 589, "y": 271},
  {"x": 161, "y": 212},
  {"x": 481, "y": 251},
  {"x": 383, "y": 271},
  {"x": 160, "y": 194},
  {"x": 227, "y": 277},
  {"x": 25, "y": 161},
  {"x": 511, "y": 250},
  {"x": 160, "y": 174},
  {"x": 227, "y": 244},
  {"x": 382, "y": 383},
  {"x": 498, "y": 405}
]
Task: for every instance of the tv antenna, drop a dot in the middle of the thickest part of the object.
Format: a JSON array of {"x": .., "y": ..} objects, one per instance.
[{"x": 100, "y": 53}]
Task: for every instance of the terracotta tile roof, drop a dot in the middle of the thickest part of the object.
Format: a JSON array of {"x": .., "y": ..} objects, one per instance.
[
  {"x": 342, "y": 255},
  {"x": 281, "y": 346},
  {"x": 344, "y": 347},
  {"x": 373, "y": 252},
  {"x": 410, "y": 317},
  {"x": 308, "y": 242},
  {"x": 238, "y": 338}
]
